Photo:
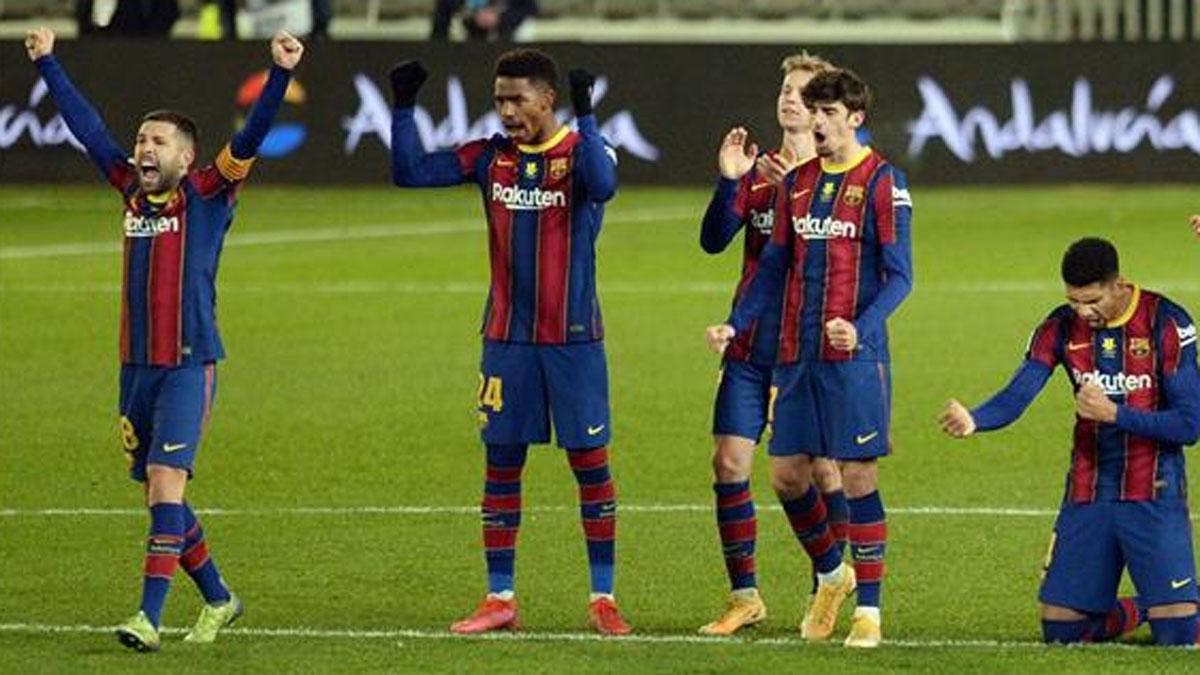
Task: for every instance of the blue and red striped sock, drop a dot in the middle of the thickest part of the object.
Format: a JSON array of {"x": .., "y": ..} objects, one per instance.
[
  {"x": 838, "y": 516},
  {"x": 197, "y": 562},
  {"x": 501, "y": 510},
  {"x": 868, "y": 546},
  {"x": 738, "y": 526},
  {"x": 598, "y": 510},
  {"x": 163, "y": 547},
  {"x": 809, "y": 520},
  {"x": 1124, "y": 618}
]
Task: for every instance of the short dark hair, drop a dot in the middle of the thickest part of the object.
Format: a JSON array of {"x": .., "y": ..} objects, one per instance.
[
  {"x": 1088, "y": 261},
  {"x": 840, "y": 85},
  {"x": 185, "y": 124},
  {"x": 534, "y": 64}
]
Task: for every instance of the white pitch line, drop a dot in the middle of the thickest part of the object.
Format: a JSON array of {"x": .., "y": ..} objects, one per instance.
[
  {"x": 661, "y": 638},
  {"x": 327, "y": 234},
  {"x": 949, "y": 511}
]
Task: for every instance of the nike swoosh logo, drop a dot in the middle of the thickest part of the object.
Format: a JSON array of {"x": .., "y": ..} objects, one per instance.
[
  {"x": 592, "y": 431},
  {"x": 501, "y": 162},
  {"x": 1176, "y": 585},
  {"x": 862, "y": 440},
  {"x": 758, "y": 186},
  {"x": 172, "y": 447},
  {"x": 1076, "y": 346},
  {"x": 799, "y": 194}
]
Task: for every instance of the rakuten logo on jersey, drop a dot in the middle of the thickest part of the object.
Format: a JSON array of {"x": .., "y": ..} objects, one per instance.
[
  {"x": 520, "y": 199},
  {"x": 149, "y": 226},
  {"x": 829, "y": 227},
  {"x": 763, "y": 221},
  {"x": 1113, "y": 384}
]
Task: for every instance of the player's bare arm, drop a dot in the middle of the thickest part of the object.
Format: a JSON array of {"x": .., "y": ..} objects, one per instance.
[
  {"x": 286, "y": 50},
  {"x": 956, "y": 420},
  {"x": 1091, "y": 403},
  {"x": 735, "y": 159},
  {"x": 39, "y": 42},
  {"x": 719, "y": 337}
]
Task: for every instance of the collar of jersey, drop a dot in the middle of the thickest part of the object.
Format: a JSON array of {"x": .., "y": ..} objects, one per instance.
[
  {"x": 1128, "y": 313},
  {"x": 160, "y": 198},
  {"x": 830, "y": 167},
  {"x": 546, "y": 145}
]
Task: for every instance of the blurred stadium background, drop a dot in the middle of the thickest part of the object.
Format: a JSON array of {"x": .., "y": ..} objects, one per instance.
[{"x": 342, "y": 467}]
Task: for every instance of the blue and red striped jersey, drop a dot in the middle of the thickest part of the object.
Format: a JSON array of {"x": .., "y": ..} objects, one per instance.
[
  {"x": 544, "y": 206},
  {"x": 172, "y": 240},
  {"x": 747, "y": 203},
  {"x": 1135, "y": 360},
  {"x": 841, "y": 247}
]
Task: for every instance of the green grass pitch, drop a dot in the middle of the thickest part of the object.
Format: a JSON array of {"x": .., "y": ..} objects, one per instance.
[{"x": 344, "y": 459}]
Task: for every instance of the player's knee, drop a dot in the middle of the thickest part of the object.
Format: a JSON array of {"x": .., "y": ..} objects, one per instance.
[
  {"x": 791, "y": 480},
  {"x": 1171, "y": 611},
  {"x": 826, "y": 475},
  {"x": 860, "y": 479},
  {"x": 165, "y": 484},
  {"x": 732, "y": 461},
  {"x": 1060, "y": 613}
]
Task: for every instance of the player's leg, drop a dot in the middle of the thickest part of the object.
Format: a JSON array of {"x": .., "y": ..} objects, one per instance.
[
  {"x": 857, "y": 395},
  {"x": 1082, "y": 572},
  {"x": 512, "y": 414},
  {"x": 221, "y": 607},
  {"x": 828, "y": 477},
  {"x": 577, "y": 387},
  {"x": 1156, "y": 539},
  {"x": 795, "y": 442},
  {"x": 739, "y": 416}
]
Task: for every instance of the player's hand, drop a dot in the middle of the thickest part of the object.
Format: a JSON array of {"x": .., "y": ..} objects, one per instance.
[
  {"x": 842, "y": 334},
  {"x": 39, "y": 42},
  {"x": 735, "y": 159},
  {"x": 581, "y": 91},
  {"x": 407, "y": 78},
  {"x": 1091, "y": 403},
  {"x": 719, "y": 337},
  {"x": 772, "y": 168},
  {"x": 1196, "y": 225},
  {"x": 956, "y": 420},
  {"x": 286, "y": 50}
]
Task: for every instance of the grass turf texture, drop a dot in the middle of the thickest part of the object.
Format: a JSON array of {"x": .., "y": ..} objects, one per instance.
[{"x": 351, "y": 383}]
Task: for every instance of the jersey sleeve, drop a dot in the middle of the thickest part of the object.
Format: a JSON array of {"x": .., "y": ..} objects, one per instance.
[
  {"x": 412, "y": 166},
  {"x": 596, "y": 161},
  {"x": 87, "y": 126},
  {"x": 892, "y": 208},
  {"x": 773, "y": 264},
  {"x": 725, "y": 214},
  {"x": 1178, "y": 421}
]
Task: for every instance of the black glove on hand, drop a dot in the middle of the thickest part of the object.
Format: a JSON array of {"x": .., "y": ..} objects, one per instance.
[
  {"x": 407, "y": 79},
  {"x": 581, "y": 91}
]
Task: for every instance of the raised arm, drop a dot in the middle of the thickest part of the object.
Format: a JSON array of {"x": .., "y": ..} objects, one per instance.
[
  {"x": 81, "y": 118},
  {"x": 597, "y": 163},
  {"x": 411, "y": 165},
  {"x": 727, "y": 208},
  {"x": 893, "y": 218}
]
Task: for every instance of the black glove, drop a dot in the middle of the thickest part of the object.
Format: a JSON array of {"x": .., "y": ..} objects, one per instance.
[
  {"x": 407, "y": 79},
  {"x": 581, "y": 91}
]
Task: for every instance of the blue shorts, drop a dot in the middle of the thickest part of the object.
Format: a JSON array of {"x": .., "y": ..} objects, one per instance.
[
  {"x": 163, "y": 414},
  {"x": 837, "y": 410},
  {"x": 522, "y": 386},
  {"x": 743, "y": 405},
  {"x": 1094, "y": 542}
]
